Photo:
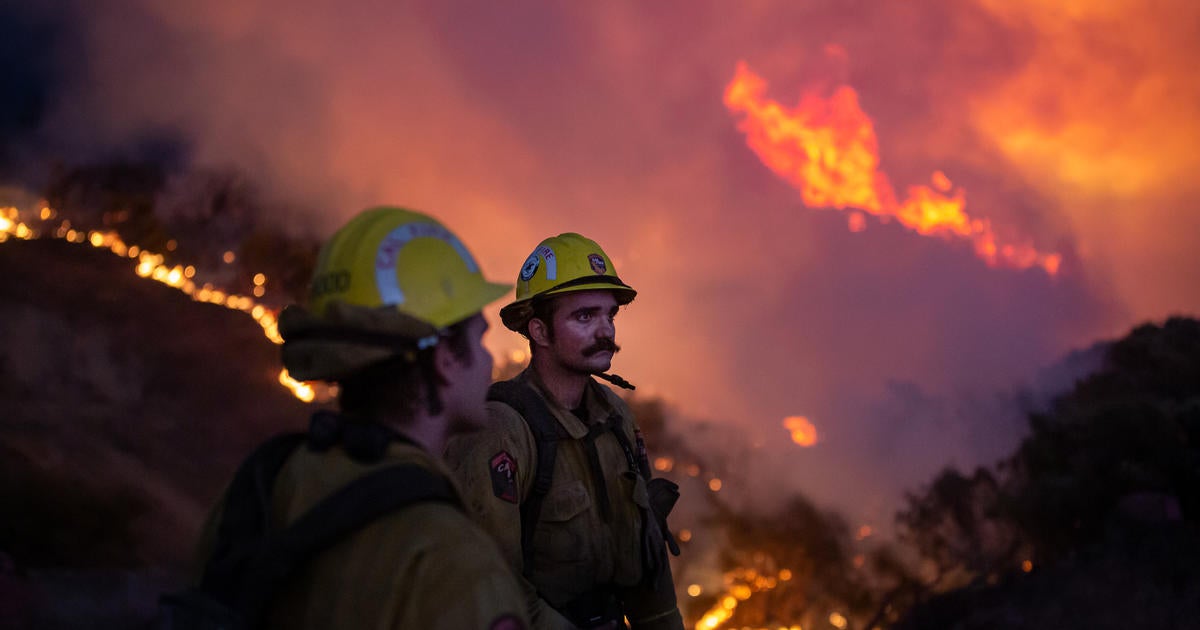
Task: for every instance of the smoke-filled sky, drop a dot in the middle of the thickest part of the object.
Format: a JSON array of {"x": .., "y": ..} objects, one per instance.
[{"x": 1073, "y": 126}]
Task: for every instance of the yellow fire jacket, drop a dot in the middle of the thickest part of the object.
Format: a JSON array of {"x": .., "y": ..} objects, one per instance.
[
  {"x": 425, "y": 566},
  {"x": 577, "y": 550}
]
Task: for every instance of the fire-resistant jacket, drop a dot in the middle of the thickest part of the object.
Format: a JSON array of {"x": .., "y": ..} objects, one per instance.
[
  {"x": 576, "y": 551},
  {"x": 425, "y": 566}
]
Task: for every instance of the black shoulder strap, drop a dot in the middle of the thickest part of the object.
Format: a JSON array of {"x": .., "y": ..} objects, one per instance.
[
  {"x": 546, "y": 433},
  {"x": 246, "y": 514},
  {"x": 333, "y": 519},
  {"x": 251, "y": 563},
  {"x": 614, "y": 424}
]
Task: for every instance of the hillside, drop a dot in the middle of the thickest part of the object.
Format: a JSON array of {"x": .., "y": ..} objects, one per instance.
[{"x": 126, "y": 407}]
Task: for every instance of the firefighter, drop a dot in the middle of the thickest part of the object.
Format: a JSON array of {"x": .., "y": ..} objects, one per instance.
[
  {"x": 561, "y": 478},
  {"x": 394, "y": 319}
]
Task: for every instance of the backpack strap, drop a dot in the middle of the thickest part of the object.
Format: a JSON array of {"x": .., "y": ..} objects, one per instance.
[
  {"x": 614, "y": 425},
  {"x": 246, "y": 515},
  {"x": 250, "y": 562},
  {"x": 546, "y": 433},
  {"x": 333, "y": 519}
]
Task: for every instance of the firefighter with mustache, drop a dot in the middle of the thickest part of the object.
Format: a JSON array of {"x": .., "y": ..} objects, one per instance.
[
  {"x": 561, "y": 478},
  {"x": 357, "y": 523}
]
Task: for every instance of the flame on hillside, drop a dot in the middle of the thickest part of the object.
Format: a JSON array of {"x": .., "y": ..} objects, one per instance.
[
  {"x": 826, "y": 147},
  {"x": 153, "y": 266},
  {"x": 740, "y": 585}
]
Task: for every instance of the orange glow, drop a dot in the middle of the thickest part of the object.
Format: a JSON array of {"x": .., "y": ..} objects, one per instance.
[
  {"x": 1067, "y": 116},
  {"x": 303, "y": 391},
  {"x": 826, "y": 147},
  {"x": 941, "y": 182},
  {"x": 714, "y": 485},
  {"x": 741, "y": 585},
  {"x": 684, "y": 535},
  {"x": 1027, "y": 566},
  {"x": 664, "y": 464},
  {"x": 11, "y": 226},
  {"x": 803, "y": 431},
  {"x": 864, "y": 532}
]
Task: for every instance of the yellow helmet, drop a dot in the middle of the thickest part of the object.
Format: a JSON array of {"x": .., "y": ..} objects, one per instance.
[
  {"x": 385, "y": 283},
  {"x": 561, "y": 264},
  {"x": 404, "y": 259}
]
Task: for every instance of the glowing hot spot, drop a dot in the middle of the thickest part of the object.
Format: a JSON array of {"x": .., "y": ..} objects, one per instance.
[{"x": 803, "y": 432}]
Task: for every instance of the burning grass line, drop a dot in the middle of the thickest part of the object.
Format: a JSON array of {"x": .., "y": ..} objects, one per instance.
[{"x": 152, "y": 266}]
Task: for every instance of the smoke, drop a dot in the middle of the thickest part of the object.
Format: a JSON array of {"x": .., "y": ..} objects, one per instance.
[
  {"x": 38, "y": 41},
  {"x": 517, "y": 121}
]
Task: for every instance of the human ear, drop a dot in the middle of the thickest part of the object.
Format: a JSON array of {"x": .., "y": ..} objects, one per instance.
[
  {"x": 539, "y": 332},
  {"x": 446, "y": 363}
]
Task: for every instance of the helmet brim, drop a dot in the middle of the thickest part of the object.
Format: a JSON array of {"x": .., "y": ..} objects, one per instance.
[
  {"x": 516, "y": 315},
  {"x": 483, "y": 294}
]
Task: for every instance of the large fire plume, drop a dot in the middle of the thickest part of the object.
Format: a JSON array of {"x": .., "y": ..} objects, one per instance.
[{"x": 826, "y": 147}]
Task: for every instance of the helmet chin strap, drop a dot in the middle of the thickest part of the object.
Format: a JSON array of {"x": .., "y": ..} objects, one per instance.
[{"x": 616, "y": 380}]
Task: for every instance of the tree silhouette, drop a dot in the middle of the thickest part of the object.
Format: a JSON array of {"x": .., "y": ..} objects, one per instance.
[{"x": 1109, "y": 473}]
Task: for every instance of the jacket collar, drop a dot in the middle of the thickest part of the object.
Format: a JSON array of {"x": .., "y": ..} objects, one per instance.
[{"x": 598, "y": 407}]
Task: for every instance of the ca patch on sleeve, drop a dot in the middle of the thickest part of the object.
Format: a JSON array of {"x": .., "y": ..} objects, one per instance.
[{"x": 504, "y": 476}]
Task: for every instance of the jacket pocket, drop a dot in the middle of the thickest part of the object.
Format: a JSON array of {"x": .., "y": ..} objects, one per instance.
[
  {"x": 565, "y": 501},
  {"x": 561, "y": 537}
]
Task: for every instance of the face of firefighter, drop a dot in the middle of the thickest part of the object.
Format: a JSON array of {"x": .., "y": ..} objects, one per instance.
[
  {"x": 584, "y": 332},
  {"x": 467, "y": 378}
]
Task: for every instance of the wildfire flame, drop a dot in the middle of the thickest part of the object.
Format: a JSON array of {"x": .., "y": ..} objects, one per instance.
[
  {"x": 152, "y": 266},
  {"x": 740, "y": 585},
  {"x": 827, "y": 148},
  {"x": 803, "y": 431}
]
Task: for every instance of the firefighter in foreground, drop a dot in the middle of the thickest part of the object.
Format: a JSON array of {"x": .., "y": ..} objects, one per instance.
[
  {"x": 561, "y": 478},
  {"x": 394, "y": 319}
]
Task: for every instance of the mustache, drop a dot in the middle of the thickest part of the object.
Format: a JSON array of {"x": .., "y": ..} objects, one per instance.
[{"x": 602, "y": 345}]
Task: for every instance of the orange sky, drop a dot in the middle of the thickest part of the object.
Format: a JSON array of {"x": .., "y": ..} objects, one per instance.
[{"x": 516, "y": 121}]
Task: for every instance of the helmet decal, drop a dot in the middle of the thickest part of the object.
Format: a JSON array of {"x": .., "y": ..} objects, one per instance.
[
  {"x": 597, "y": 263},
  {"x": 547, "y": 255},
  {"x": 389, "y": 249},
  {"x": 585, "y": 267},
  {"x": 530, "y": 267}
]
